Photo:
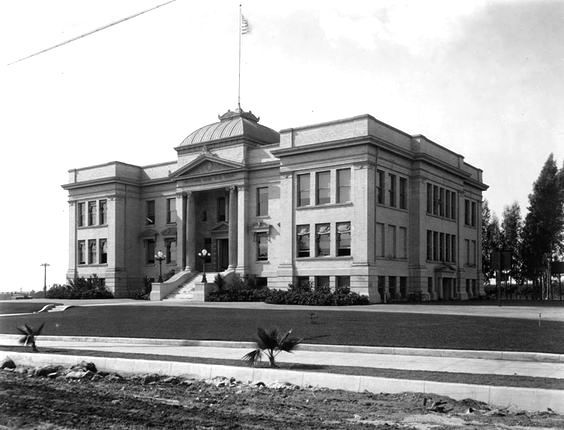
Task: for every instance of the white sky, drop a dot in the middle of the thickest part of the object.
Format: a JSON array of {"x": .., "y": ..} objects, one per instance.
[{"x": 483, "y": 78}]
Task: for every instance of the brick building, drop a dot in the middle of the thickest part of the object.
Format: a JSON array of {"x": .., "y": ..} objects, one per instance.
[{"x": 349, "y": 202}]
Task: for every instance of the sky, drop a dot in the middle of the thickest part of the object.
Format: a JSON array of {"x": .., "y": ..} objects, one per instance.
[{"x": 483, "y": 78}]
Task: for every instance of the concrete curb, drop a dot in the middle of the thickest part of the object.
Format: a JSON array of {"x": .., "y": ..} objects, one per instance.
[
  {"x": 530, "y": 399},
  {"x": 423, "y": 352}
]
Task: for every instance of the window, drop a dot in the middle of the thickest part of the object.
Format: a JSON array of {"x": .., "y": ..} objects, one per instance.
[
  {"x": 343, "y": 185},
  {"x": 170, "y": 211},
  {"x": 103, "y": 251},
  {"x": 402, "y": 242},
  {"x": 303, "y": 190},
  {"x": 467, "y": 212},
  {"x": 302, "y": 239},
  {"x": 453, "y": 248},
  {"x": 322, "y": 283},
  {"x": 473, "y": 220},
  {"x": 441, "y": 247},
  {"x": 221, "y": 209},
  {"x": 91, "y": 213},
  {"x": 473, "y": 253},
  {"x": 403, "y": 193},
  {"x": 435, "y": 200},
  {"x": 447, "y": 247},
  {"x": 447, "y": 204},
  {"x": 380, "y": 240},
  {"x": 392, "y": 241},
  {"x": 442, "y": 202},
  {"x": 392, "y": 190},
  {"x": 380, "y": 186},
  {"x": 467, "y": 247},
  {"x": 435, "y": 246},
  {"x": 453, "y": 205},
  {"x": 150, "y": 212},
  {"x": 303, "y": 282},
  {"x": 102, "y": 212},
  {"x": 323, "y": 239},
  {"x": 262, "y": 201},
  {"x": 262, "y": 246},
  {"x": 150, "y": 251},
  {"x": 429, "y": 245},
  {"x": 403, "y": 286},
  {"x": 342, "y": 282},
  {"x": 170, "y": 251},
  {"x": 81, "y": 252},
  {"x": 429, "y": 198},
  {"x": 80, "y": 214},
  {"x": 323, "y": 188},
  {"x": 343, "y": 238},
  {"x": 392, "y": 285},
  {"x": 92, "y": 251}
]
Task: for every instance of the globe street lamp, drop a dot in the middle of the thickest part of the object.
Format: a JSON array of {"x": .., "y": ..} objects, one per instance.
[
  {"x": 159, "y": 256},
  {"x": 203, "y": 254}
]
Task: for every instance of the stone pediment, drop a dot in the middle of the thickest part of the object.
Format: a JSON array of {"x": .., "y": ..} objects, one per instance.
[
  {"x": 221, "y": 227},
  {"x": 206, "y": 164}
]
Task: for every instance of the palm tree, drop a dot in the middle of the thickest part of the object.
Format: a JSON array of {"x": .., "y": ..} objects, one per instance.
[
  {"x": 29, "y": 335},
  {"x": 271, "y": 343}
]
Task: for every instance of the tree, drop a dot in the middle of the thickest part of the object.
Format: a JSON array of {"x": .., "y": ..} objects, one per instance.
[
  {"x": 490, "y": 240},
  {"x": 271, "y": 343},
  {"x": 511, "y": 229},
  {"x": 544, "y": 224}
]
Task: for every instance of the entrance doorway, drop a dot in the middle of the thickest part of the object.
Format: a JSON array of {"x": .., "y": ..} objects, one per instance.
[{"x": 222, "y": 254}]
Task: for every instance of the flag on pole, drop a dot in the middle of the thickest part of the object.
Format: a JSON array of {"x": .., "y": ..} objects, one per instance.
[{"x": 245, "y": 27}]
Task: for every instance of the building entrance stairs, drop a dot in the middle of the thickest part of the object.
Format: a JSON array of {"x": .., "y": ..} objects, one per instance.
[{"x": 193, "y": 290}]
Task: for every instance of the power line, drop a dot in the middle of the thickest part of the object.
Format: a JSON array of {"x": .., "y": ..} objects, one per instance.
[{"x": 92, "y": 32}]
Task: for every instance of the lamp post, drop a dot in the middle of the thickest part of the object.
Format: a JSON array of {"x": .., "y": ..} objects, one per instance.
[
  {"x": 203, "y": 254},
  {"x": 159, "y": 256},
  {"x": 45, "y": 279}
]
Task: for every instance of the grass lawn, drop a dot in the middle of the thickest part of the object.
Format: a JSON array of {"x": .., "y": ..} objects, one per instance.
[
  {"x": 22, "y": 307},
  {"x": 329, "y": 327}
]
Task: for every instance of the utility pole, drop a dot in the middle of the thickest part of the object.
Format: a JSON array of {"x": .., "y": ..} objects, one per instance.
[{"x": 45, "y": 279}]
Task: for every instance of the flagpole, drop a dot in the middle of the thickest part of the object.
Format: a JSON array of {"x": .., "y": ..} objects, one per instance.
[{"x": 239, "y": 84}]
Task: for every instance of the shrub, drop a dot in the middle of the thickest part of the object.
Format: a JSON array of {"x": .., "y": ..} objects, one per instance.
[
  {"x": 80, "y": 288},
  {"x": 237, "y": 290},
  {"x": 323, "y": 297}
]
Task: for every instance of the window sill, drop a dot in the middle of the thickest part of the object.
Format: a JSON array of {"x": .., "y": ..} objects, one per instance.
[
  {"x": 85, "y": 227},
  {"x": 262, "y": 261},
  {"x": 262, "y": 216},
  {"x": 325, "y": 257},
  {"x": 93, "y": 265},
  {"x": 324, "y": 206},
  {"x": 442, "y": 218},
  {"x": 382, "y": 205}
]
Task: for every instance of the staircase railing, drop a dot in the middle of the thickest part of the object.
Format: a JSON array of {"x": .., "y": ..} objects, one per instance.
[{"x": 159, "y": 290}]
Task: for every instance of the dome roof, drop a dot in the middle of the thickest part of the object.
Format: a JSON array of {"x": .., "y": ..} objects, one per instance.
[{"x": 231, "y": 124}]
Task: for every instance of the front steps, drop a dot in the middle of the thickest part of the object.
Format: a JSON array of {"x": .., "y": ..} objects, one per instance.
[{"x": 193, "y": 290}]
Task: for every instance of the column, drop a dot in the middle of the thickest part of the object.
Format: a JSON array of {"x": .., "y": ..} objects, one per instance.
[
  {"x": 233, "y": 221},
  {"x": 181, "y": 230},
  {"x": 71, "y": 272},
  {"x": 190, "y": 232},
  {"x": 242, "y": 215}
]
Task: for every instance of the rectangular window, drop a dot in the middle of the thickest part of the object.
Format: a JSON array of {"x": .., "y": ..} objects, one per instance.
[
  {"x": 380, "y": 240},
  {"x": 170, "y": 251},
  {"x": 170, "y": 211},
  {"x": 322, "y": 282},
  {"x": 467, "y": 247},
  {"x": 429, "y": 245},
  {"x": 302, "y": 240},
  {"x": 323, "y": 188},
  {"x": 343, "y": 185},
  {"x": 467, "y": 212},
  {"x": 453, "y": 248},
  {"x": 473, "y": 255},
  {"x": 92, "y": 251},
  {"x": 303, "y": 282},
  {"x": 81, "y": 251},
  {"x": 221, "y": 209},
  {"x": 473, "y": 223},
  {"x": 91, "y": 213},
  {"x": 392, "y": 179},
  {"x": 392, "y": 285},
  {"x": 392, "y": 241},
  {"x": 323, "y": 239},
  {"x": 102, "y": 212},
  {"x": 343, "y": 238},
  {"x": 430, "y": 284},
  {"x": 262, "y": 201},
  {"x": 103, "y": 251},
  {"x": 382, "y": 287},
  {"x": 441, "y": 247},
  {"x": 442, "y": 202},
  {"x": 262, "y": 246},
  {"x": 380, "y": 186},
  {"x": 303, "y": 190},
  {"x": 403, "y": 287},
  {"x": 150, "y": 212},
  {"x": 435, "y": 200},
  {"x": 150, "y": 251},
  {"x": 429, "y": 198},
  {"x": 403, "y": 193},
  {"x": 447, "y": 247},
  {"x": 402, "y": 242},
  {"x": 342, "y": 282},
  {"x": 435, "y": 246},
  {"x": 80, "y": 214},
  {"x": 447, "y": 203},
  {"x": 453, "y": 205}
]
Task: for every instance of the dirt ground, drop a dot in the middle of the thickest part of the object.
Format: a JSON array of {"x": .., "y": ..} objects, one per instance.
[{"x": 102, "y": 401}]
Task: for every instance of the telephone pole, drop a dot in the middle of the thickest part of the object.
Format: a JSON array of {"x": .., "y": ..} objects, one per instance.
[{"x": 45, "y": 279}]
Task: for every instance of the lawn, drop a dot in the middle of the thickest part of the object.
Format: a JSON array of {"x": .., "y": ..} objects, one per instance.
[
  {"x": 329, "y": 327},
  {"x": 21, "y": 307}
]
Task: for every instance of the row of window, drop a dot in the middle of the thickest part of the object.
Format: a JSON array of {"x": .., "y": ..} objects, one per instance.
[
  {"x": 392, "y": 194},
  {"x": 150, "y": 212},
  {"x": 91, "y": 213},
  {"x": 393, "y": 290},
  {"x": 391, "y": 241},
  {"x": 441, "y": 202},
  {"x": 322, "y": 187},
  {"x": 471, "y": 247},
  {"x": 323, "y": 282},
  {"x": 322, "y": 243},
  {"x": 441, "y": 246},
  {"x": 470, "y": 209},
  {"x": 151, "y": 250},
  {"x": 92, "y": 251}
]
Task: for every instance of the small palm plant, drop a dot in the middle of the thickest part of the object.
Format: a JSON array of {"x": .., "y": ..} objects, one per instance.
[
  {"x": 271, "y": 343},
  {"x": 29, "y": 335}
]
